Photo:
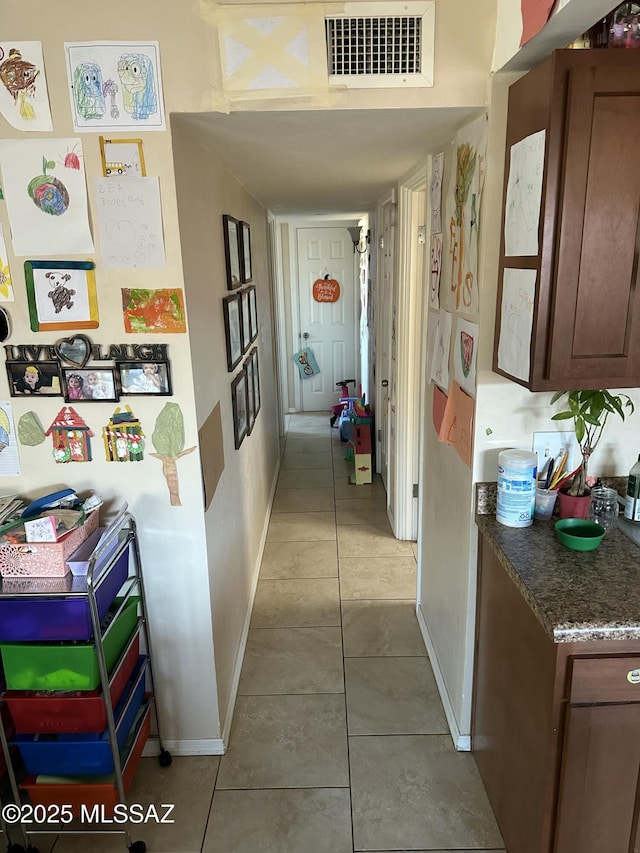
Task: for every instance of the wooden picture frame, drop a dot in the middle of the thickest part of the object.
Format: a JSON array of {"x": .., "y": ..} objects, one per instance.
[
  {"x": 61, "y": 295},
  {"x": 137, "y": 378},
  {"x": 122, "y": 158},
  {"x": 232, "y": 311},
  {"x": 34, "y": 378},
  {"x": 246, "y": 266},
  {"x": 253, "y": 313},
  {"x": 90, "y": 385},
  {"x": 239, "y": 403},
  {"x": 246, "y": 320},
  {"x": 232, "y": 242}
]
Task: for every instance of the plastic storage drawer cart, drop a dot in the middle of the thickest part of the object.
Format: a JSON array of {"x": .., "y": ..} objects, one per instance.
[{"x": 78, "y": 690}]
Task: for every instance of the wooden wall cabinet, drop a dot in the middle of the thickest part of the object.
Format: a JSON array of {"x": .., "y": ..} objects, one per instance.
[
  {"x": 555, "y": 728},
  {"x": 586, "y": 320}
]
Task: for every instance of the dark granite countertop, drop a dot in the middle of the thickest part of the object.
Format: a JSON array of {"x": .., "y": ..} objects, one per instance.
[{"x": 575, "y": 595}]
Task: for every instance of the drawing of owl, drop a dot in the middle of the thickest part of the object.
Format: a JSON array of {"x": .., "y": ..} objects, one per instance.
[
  {"x": 87, "y": 90},
  {"x": 19, "y": 78},
  {"x": 138, "y": 89}
]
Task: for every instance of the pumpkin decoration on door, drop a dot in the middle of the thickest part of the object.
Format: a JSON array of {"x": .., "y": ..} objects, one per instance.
[{"x": 326, "y": 289}]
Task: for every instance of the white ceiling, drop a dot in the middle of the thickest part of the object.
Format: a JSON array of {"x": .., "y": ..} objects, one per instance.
[{"x": 324, "y": 161}]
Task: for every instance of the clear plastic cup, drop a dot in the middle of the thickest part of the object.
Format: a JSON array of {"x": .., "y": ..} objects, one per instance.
[{"x": 545, "y": 502}]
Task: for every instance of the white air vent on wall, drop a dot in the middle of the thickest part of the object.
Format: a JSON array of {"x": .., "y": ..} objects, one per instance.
[{"x": 381, "y": 45}]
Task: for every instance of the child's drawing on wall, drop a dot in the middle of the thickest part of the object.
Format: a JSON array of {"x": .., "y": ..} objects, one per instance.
[
  {"x": 87, "y": 90},
  {"x": 24, "y": 101},
  {"x": 115, "y": 85}
]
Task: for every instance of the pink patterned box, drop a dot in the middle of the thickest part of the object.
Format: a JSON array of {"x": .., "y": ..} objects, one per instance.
[{"x": 44, "y": 559}]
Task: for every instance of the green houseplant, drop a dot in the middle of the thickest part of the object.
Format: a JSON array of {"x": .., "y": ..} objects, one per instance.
[{"x": 589, "y": 411}]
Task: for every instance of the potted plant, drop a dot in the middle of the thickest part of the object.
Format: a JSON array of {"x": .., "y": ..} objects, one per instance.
[{"x": 589, "y": 411}]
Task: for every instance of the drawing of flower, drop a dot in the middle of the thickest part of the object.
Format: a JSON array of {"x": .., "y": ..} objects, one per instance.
[
  {"x": 5, "y": 279},
  {"x": 48, "y": 193}
]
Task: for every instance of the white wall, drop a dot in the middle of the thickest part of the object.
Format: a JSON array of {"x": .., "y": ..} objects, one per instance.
[{"x": 235, "y": 520}]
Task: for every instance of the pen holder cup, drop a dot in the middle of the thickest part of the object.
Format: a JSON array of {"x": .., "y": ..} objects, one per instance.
[{"x": 545, "y": 502}]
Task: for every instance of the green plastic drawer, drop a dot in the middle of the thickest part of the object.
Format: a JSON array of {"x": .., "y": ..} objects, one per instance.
[{"x": 67, "y": 666}]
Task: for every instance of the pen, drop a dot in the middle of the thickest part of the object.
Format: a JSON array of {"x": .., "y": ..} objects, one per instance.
[
  {"x": 560, "y": 469},
  {"x": 549, "y": 473}
]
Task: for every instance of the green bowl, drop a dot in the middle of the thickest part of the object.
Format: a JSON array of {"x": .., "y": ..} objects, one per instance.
[{"x": 579, "y": 534}]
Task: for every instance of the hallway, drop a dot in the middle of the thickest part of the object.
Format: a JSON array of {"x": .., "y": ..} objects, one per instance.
[{"x": 339, "y": 742}]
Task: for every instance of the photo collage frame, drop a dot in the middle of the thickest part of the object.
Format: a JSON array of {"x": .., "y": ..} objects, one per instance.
[{"x": 63, "y": 370}]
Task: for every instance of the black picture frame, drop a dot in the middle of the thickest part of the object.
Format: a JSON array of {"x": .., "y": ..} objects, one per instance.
[
  {"x": 90, "y": 385},
  {"x": 240, "y": 407},
  {"x": 245, "y": 257},
  {"x": 232, "y": 244},
  {"x": 136, "y": 378},
  {"x": 34, "y": 378},
  {"x": 253, "y": 313},
  {"x": 253, "y": 387},
  {"x": 246, "y": 320},
  {"x": 232, "y": 312}
]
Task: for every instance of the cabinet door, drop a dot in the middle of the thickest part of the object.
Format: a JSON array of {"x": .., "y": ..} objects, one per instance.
[
  {"x": 595, "y": 326},
  {"x": 597, "y": 802}
]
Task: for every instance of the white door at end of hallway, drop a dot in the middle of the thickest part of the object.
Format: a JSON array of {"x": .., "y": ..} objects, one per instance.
[{"x": 328, "y": 328}]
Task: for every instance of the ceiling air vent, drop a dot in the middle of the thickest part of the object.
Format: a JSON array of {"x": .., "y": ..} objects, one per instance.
[{"x": 383, "y": 45}]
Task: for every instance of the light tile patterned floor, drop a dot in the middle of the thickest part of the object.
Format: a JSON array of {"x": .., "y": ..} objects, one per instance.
[{"x": 339, "y": 742}]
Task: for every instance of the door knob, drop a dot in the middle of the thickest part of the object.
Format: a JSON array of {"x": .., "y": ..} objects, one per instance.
[
  {"x": 306, "y": 335},
  {"x": 385, "y": 383}
]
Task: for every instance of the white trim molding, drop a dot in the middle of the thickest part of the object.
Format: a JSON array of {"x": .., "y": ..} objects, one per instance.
[{"x": 462, "y": 742}]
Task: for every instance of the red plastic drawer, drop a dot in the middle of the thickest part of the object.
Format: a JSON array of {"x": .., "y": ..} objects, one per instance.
[{"x": 81, "y": 712}]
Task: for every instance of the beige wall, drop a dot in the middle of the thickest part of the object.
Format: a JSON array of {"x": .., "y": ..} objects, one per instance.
[
  {"x": 188, "y": 562},
  {"x": 235, "y": 520}
]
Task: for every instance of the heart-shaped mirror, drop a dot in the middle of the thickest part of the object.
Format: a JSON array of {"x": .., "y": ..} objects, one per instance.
[{"x": 74, "y": 351}]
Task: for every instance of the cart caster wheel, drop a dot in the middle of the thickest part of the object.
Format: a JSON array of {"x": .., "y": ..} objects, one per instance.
[
  {"x": 138, "y": 847},
  {"x": 165, "y": 758}
]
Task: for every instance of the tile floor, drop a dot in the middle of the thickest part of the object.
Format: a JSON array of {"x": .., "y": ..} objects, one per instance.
[{"x": 339, "y": 741}]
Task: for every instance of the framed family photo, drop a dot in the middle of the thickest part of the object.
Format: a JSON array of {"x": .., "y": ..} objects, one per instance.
[
  {"x": 149, "y": 377},
  {"x": 239, "y": 402},
  {"x": 232, "y": 238},
  {"x": 89, "y": 385},
  {"x": 232, "y": 310},
  {"x": 247, "y": 273},
  {"x": 34, "y": 377}
]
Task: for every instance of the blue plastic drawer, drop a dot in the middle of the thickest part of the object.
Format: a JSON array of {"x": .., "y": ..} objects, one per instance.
[
  {"x": 27, "y": 619},
  {"x": 86, "y": 755}
]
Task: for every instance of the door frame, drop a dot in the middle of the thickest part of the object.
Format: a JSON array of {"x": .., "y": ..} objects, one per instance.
[
  {"x": 288, "y": 303},
  {"x": 411, "y": 282}
]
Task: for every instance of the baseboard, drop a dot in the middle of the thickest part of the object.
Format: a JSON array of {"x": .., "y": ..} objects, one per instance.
[
  {"x": 461, "y": 742},
  {"x": 228, "y": 717},
  {"x": 205, "y": 746}
]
